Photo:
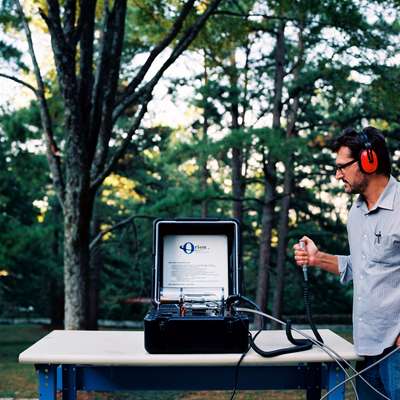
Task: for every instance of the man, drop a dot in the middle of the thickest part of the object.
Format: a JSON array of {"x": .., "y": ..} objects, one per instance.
[{"x": 373, "y": 227}]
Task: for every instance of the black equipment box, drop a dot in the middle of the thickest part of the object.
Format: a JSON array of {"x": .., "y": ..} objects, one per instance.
[{"x": 196, "y": 268}]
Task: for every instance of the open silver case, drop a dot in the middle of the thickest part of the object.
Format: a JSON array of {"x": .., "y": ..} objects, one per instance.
[{"x": 196, "y": 269}]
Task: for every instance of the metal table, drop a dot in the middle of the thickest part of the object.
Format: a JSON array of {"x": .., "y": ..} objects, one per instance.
[{"x": 68, "y": 361}]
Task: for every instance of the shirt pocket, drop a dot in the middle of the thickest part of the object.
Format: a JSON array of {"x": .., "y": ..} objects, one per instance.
[{"x": 386, "y": 251}]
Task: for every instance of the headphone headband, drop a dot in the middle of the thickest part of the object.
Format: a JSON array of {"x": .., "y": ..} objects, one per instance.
[{"x": 365, "y": 141}]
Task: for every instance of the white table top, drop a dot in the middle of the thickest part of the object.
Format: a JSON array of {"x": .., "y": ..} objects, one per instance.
[{"x": 127, "y": 348}]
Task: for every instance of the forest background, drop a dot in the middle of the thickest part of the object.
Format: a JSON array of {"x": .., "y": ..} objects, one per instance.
[{"x": 120, "y": 112}]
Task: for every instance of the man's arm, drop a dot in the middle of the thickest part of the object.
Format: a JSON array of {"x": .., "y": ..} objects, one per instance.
[
  {"x": 328, "y": 262},
  {"x": 312, "y": 256}
]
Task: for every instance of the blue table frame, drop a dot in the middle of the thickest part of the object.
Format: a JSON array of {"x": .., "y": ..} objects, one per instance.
[{"x": 69, "y": 378}]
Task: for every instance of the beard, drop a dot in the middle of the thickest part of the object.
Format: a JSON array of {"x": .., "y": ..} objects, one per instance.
[{"x": 357, "y": 187}]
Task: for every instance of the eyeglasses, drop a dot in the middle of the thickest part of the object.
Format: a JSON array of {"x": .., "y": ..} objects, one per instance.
[{"x": 342, "y": 167}]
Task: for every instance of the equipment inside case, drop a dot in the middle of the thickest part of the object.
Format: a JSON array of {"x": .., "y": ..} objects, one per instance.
[{"x": 196, "y": 268}]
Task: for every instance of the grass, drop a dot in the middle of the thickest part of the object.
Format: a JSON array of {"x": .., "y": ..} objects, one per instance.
[
  {"x": 20, "y": 381},
  {"x": 17, "y": 380}
]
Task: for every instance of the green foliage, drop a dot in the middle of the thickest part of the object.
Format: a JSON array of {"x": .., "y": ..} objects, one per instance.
[
  {"x": 380, "y": 96},
  {"x": 25, "y": 254},
  {"x": 340, "y": 81},
  {"x": 8, "y": 21}
]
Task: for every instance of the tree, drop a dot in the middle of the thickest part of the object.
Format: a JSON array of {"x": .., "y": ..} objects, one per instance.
[
  {"x": 97, "y": 95},
  {"x": 301, "y": 74}
]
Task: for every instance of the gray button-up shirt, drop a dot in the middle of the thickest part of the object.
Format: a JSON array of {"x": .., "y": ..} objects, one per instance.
[{"x": 374, "y": 267}]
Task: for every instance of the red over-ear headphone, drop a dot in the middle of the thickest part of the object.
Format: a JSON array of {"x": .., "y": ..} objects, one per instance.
[{"x": 367, "y": 159}]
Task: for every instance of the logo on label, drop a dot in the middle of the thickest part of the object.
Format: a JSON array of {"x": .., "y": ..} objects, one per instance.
[{"x": 188, "y": 247}]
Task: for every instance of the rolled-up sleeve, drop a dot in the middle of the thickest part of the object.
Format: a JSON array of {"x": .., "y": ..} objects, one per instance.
[{"x": 345, "y": 269}]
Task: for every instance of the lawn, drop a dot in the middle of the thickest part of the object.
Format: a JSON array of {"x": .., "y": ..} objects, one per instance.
[{"x": 19, "y": 381}]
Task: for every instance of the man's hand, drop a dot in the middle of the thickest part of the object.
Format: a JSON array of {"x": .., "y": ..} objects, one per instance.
[
  {"x": 398, "y": 341},
  {"x": 307, "y": 255}
]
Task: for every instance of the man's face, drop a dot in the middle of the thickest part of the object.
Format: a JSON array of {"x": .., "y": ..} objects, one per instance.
[{"x": 348, "y": 171}]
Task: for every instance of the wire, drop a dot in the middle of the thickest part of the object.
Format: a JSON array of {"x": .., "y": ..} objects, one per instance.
[
  {"x": 322, "y": 346},
  {"x": 238, "y": 365},
  {"x": 359, "y": 374},
  {"x": 237, "y": 373},
  {"x": 318, "y": 342},
  {"x": 306, "y": 295},
  {"x": 229, "y": 304}
]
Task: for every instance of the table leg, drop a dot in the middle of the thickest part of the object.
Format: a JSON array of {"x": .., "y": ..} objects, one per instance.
[
  {"x": 335, "y": 376},
  {"x": 68, "y": 382},
  {"x": 313, "y": 394},
  {"x": 47, "y": 381},
  {"x": 314, "y": 377}
]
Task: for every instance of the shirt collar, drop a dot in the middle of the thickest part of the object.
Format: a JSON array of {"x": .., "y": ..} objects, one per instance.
[{"x": 386, "y": 199}]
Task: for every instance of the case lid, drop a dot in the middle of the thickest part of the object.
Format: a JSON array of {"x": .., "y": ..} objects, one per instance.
[{"x": 195, "y": 260}]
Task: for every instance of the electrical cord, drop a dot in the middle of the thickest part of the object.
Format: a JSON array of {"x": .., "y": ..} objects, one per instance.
[
  {"x": 237, "y": 373},
  {"x": 318, "y": 342},
  {"x": 235, "y": 298},
  {"x": 308, "y": 311},
  {"x": 236, "y": 382},
  {"x": 299, "y": 344},
  {"x": 361, "y": 372},
  {"x": 306, "y": 296},
  {"x": 230, "y": 301},
  {"x": 329, "y": 350},
  {"x": 321, "y": 345},
  {"x": 229, "y": 305}
]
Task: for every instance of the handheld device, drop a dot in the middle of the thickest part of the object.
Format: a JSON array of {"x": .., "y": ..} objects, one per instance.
[
  {"x": 306, "y": 294},
  {"x": 305, "y": 272}
]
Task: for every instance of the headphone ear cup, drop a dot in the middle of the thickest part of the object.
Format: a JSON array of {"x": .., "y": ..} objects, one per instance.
[{"x": 368, "y": 161}]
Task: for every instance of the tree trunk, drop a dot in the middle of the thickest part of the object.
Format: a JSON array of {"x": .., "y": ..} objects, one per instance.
[
  {"x": 56, "y": 294},
  {"x": 270, "y": 180},
  {"x": 238, "y": 185},
  {"x": 96, "y": 266},
  {"x": 203, "y": 161},
  {"x": 283, "y": 224},
  {"x": 264, "y": 262},
  {"x": 283, "y": 229},
  {"x": 77, "y": 218},
  {"x": 56, "y": 298},
  {"x": 204, "y": 186}
]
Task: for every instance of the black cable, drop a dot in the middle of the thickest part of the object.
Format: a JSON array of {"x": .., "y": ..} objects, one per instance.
[
  {"x": 308, "y": 311},
  {"x": 299, "y": 344},
  {"x": 236, "y": 381},
  {"x": 229, "y": 306},
  {"x": 306, "y": 296},
  {"x": 234, "y": 298}
]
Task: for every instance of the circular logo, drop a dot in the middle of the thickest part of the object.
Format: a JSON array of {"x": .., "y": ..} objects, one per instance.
[{"x": 188, "y": 247}]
